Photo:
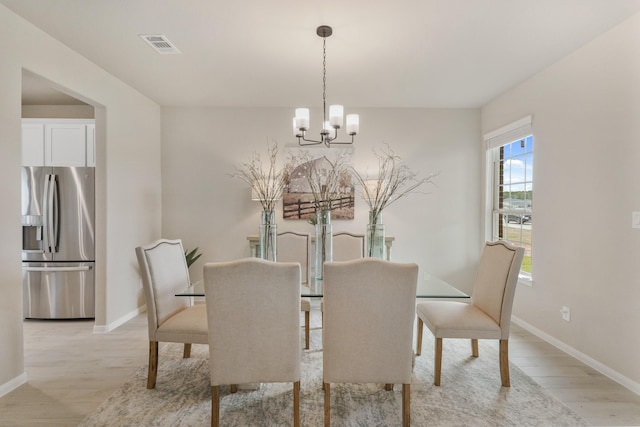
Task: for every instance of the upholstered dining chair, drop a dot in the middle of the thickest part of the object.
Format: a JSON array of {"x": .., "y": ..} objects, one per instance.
[
  {"x": 164, "y": 272},
  {"x": 296, "y": 247},
  {"x": 370, "y": 341},
  {"x": 488, "y": 316},
  {"x": 347, "y": 246},
  {"x": 256, "y": 339}
]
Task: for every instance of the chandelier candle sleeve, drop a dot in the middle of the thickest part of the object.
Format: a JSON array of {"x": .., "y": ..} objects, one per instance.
[
  {"x": 336, "y": 114},
  {"x": 326, "y": 127},
  {"x": 302, "y": 119},
  {"x": 353, "y": 124}
]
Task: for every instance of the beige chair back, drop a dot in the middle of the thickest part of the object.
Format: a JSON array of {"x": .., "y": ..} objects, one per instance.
[
  {"x": 347, "y": 246},
  {"x": 295, "y": 247},
  {"x": 495, "y": 282},
  {"x": 369, "y": 307},
  {"x": 253, "y": 312},
  {"x": 164, "y": 272}
]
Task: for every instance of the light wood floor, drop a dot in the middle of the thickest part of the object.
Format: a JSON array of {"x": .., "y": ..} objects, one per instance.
[{"x": 71, "y": 371}]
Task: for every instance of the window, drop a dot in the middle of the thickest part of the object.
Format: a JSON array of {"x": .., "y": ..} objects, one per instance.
[{"x": 510, "y": 189}]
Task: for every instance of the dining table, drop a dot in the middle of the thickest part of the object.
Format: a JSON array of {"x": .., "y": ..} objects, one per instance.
[{"x": 430, "y": 287}]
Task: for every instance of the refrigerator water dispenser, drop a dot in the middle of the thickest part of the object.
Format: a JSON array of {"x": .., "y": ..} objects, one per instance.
[{"x": 32, "y": 233}]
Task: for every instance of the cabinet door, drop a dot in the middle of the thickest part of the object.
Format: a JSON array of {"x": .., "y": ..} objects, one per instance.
[
  {"x": 32, "y": 144},
  {"x": 65, "y": 145},
  {"x": 91, "y": 145}
]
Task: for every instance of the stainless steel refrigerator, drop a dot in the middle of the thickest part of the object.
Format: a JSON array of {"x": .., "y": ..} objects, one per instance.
[{"x": 58, "y": 242}]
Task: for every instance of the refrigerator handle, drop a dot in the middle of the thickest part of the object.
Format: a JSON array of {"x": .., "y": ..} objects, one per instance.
[
  {"x": 55, "y": 234},
  {"x": 46, "y": 207}
]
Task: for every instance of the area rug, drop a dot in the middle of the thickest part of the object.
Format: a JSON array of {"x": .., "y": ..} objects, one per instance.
[{"x": 470, "y": 395}]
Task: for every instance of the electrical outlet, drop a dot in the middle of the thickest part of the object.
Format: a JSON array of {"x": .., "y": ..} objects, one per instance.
[
  {"x": 566, "y": 313},
  {"x": 635, "y": 219}
]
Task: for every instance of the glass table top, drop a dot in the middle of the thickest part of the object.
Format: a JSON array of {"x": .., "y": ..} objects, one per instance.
[{"x": 430, "y": 287}]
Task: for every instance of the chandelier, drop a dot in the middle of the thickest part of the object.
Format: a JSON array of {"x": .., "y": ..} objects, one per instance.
[{"x": 329, "y": 132}]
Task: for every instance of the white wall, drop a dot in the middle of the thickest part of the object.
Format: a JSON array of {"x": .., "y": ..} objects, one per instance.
[
  {"x": 586, "y": 120},
  {"x": 127, "y": 178},
  {"x": 203, "y": 205}
]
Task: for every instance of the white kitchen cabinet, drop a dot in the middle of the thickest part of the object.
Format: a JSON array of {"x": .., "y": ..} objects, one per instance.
[
  {"x": 58, "y": 142},
  {"x": 32, "y": 144},
  {"x": 65, "y": 145}
]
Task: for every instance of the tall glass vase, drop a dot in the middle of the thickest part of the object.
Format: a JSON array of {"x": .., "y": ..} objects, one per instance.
[
  {"x": 268, "y": 235},
  {"x": 324, "y": 241},
  {"x": 375, "y": 243}
]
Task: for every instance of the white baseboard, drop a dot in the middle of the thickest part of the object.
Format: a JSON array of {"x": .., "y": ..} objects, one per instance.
[
  {"x": 603, "y": 369},
  {"x": 8, "y": 387},
  {"x": 103, "y": 329}
]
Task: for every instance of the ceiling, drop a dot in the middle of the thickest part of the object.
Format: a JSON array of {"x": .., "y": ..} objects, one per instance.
[{"x": 405, "y": 53}]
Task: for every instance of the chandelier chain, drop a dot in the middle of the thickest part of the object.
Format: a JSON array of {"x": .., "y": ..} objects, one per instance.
[{"x": 324, "y": 79}]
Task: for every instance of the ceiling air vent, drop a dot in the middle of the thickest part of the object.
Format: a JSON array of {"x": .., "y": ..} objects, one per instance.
[{"x": 160, "y": 43}]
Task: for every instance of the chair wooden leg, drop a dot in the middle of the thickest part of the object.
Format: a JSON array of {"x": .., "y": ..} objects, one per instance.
[
  {"x": 419, "y": 344},
  {"x": 438, "y": 362},
  {"x": 187, "y": 351},
  {"x": 327, "y": 404},
  {"x": 388, "y": 387},
  {"x": 296, "y": 404},
  {"x": 233, "y": 388},
  {"x": 153, "y": 364},
  {"x": 406, "y": 405},
  {"x": 306, "y": 330},
  {"x": 504, "y": 363},
  {"x": 215, "y": 406},
  {"x": 474, "y": 347}
]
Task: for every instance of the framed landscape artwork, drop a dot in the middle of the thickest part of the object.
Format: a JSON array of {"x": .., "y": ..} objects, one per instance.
[{"x": 297, "y": 197}]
